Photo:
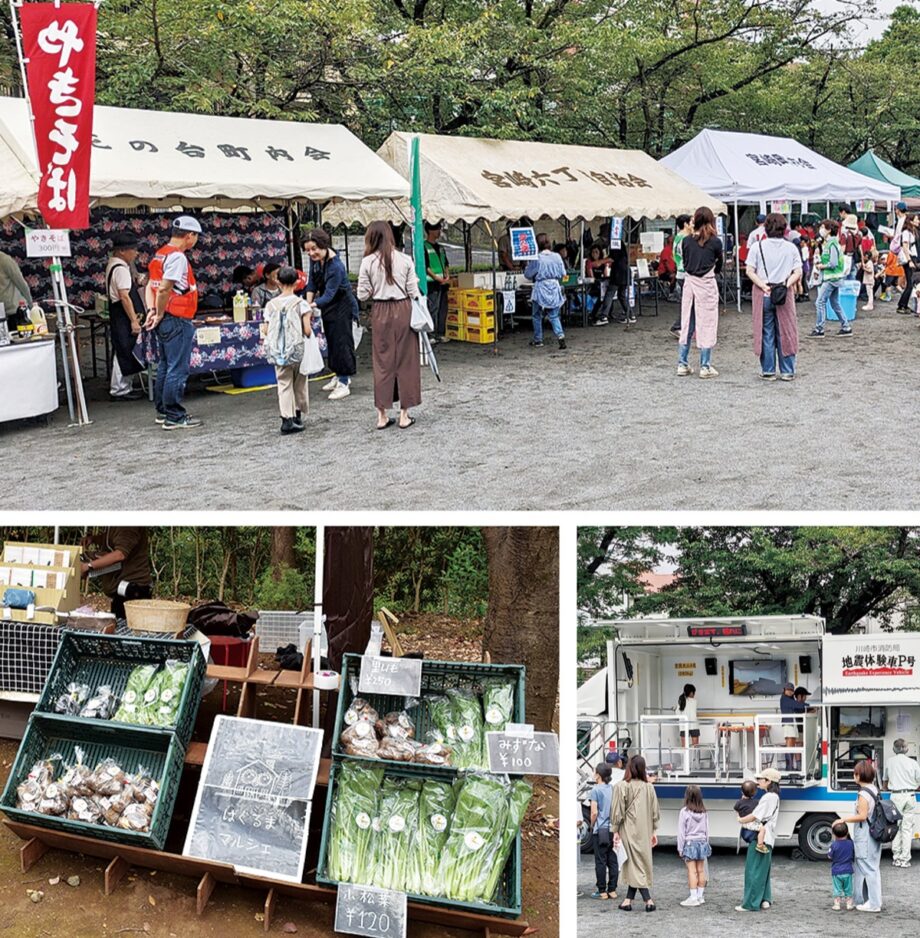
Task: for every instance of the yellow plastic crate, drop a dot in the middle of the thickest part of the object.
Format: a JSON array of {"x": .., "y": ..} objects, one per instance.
[
  {"x": 478, "y": 319},
  {"x": 453, "y": 296},
  {"x": 456, "y": 317},
  {"x": 455, "y": 331},
  {"x": 477, "y": 300},
  {"x": 480, "y": 335}
]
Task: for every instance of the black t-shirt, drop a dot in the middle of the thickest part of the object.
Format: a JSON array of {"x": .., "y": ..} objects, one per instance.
[{"x": 699, "y": 259}]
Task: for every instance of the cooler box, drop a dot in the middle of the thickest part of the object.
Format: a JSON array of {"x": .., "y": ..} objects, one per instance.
[
  {"x": 849, "y": 297},
  {"x": 255, "y": 377}
]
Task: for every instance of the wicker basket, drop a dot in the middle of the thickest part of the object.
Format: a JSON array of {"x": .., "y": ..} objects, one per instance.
[{"x": 156, "y": 615}]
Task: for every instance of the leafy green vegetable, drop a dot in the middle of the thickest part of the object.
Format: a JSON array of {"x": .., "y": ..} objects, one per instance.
[
  {"x": 467, "y": 719},
  {"x": 442, "y": 716},
  {"x": 161, "y": 699},
  {"x": 132, "y": 699},
  {"x": 394, "y": 833},
  {"x": 435, "y": 807},
  {"x": 353, "y": 812},
  {"x": 521, "y": 793},
  {"x": 475, "y": 835},
  {"x": 498, "y": 703}
]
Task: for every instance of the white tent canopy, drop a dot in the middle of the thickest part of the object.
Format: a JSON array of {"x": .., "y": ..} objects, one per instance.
[
  {"x": 18, "y": 179},
  {"x": 472, "y": 178},
  {"x": 164, "y": 158},
  {"x": 592, "y": 695},
  {"x": 754, "y": 169}
]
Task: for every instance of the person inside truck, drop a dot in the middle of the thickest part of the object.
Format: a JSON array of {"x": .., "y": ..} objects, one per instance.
[
  {"x": 902, "y": 779},
  {"x": 686, "y": 708},
  {"x": 789, "y": 703}
]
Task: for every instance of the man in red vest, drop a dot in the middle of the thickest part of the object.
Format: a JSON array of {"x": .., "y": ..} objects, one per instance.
[{"x": 172, "y": 301}]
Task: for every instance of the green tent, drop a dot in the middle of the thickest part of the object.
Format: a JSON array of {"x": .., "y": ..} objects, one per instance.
[{"x": 869, "y": 164}]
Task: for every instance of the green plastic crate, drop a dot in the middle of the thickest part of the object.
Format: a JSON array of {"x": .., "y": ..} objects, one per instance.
[
  {"x": 158, "y": 751},
  {"x": 93, "y": 659},
  {"x": 508, "y": 897},
  {"x": 437, "y": 677}
]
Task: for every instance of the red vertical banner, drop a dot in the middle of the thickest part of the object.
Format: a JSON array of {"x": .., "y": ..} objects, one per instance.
[{"x": 59, "y": 45}]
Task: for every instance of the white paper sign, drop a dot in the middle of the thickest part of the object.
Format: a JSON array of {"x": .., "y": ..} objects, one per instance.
[
  {"x": 208, "y": 335},
  {"x": 652, "y": 242},
  {"x": 401, "y": 677},
  {"x": 47, "y": 242},
  {"x": 871, "y": 669},
  {"x": 616, "y": 233}
]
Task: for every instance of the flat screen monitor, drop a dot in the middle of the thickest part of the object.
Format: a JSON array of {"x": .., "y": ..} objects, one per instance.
[
  {"x": 757, "y": 677},
  {"x": 860, "y": 722}
]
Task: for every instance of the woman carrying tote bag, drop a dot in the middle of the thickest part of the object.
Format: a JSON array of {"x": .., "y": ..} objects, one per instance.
[{"x": 388, "y": 278}]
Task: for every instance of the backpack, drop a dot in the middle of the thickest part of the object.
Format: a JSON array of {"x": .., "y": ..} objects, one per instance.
[
  {"x": 284, "y": 339},
  {"x": 885, "y": 821}
]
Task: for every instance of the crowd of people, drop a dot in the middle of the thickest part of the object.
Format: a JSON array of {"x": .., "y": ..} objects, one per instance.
[{"x": 625, "y": 818}]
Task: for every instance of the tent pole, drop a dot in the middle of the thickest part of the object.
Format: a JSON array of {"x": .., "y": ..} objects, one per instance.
[
  {"x": 737, "y": 259},
  {"x": 318, "y": 617}
]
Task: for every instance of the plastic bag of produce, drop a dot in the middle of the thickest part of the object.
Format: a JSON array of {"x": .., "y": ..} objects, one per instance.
[
  {"x": 518, "y": 799},
  {"x": 397, "y": 749},
  {"x": 53, "y": 800},
  {"x": 360, "y": 711},
  {"x": 441, "y": 712},
  {"x": 76, "y": 778},
  {"x": 394, "y": 834},
  {"x": 475, "y": 835},
  {"x": 353, "y": 813},
  {"x": 30, "y": 791},
  {"x": 132, "y": 699},
  {"x": 73, "y": 699},
  {"x": 468, "y": 723},
  {"x": 359, "y": 739},
  {"x": 497, "y": 703},
  {"x": 107, "y": 779},
  {"x": 161, "y": 699},
  {"x": 102, "y": 705},
  {"x": 432, "y": 753},
  {"x": 397, "y": 725},
  {"x": 435, "y": 807}
]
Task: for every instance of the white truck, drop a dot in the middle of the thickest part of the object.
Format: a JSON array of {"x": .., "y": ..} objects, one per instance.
[{"x": 864, "y": 694}]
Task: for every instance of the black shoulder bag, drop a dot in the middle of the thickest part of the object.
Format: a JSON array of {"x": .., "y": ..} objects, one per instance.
[{"x": 778, "y": 291}]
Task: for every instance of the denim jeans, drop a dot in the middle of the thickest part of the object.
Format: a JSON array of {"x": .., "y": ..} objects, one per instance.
[
  {"x": 829, "y": 291},
  {"x": 552, "y": 315},
  {"x": 772, "y": 348},
  {"x": 867, "y": 880},
  {"x": 176, "y": 337},
  {"x": 683, "y": 351}
]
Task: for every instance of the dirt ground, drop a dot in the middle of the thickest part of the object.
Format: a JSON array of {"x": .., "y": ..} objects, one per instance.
[
  {"x": 802, "y": 902},
  {"x": 163, "y": 906},
  {"x": 635, "y": 436}
]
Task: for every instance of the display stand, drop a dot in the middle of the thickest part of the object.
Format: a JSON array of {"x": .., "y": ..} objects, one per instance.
[{"x": 63, "y": 597}]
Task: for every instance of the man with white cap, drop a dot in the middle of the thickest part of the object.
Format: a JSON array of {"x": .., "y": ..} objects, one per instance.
[
  {"x": 172, "y": 301},
  {"x": 902, "y": 779}
]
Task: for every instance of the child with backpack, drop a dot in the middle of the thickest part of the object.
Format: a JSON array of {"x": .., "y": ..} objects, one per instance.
[
  {"x": 841, "y": 855},
  {"x": 287, "y": 318},
  {"x": 693, "y": 843},
  {"x": 744, "y": 807}
]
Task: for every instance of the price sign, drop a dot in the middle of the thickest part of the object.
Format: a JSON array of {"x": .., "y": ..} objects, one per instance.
[
  {"x": 522, "y": 755},
  {"x": 400, "y": 677},
  {"x": 369, "y": 911},
  {"x": 47, "y": 242},
  {"x": 616, "y": 233}
]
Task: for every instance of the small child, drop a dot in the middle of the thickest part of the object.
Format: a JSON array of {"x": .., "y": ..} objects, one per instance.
[
  {"x": 693, "y": 843},
  {"x": 868, "y": 272},
  {"x": 842, "y": 854},
  {"x": 744, "y": 807}
]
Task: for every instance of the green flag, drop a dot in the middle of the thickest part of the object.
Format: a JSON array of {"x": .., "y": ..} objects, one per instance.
[{"x": 418, "y": 230}]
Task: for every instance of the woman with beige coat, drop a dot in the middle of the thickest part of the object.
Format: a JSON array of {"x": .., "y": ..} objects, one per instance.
[
  {"x": 388, "y": 278},
  {"x": 634, "y": 817}
]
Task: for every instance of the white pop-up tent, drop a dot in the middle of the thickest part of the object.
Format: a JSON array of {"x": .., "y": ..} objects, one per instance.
[
  {"x": 471, "y": 178},
  {"x": 164, "y": 158},
  {"x": 18, "y": 179},
  {"x": 754, "y": 169}
]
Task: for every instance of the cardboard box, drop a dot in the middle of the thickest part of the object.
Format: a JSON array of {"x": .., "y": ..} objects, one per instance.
[{"x": 477, "y": 281}]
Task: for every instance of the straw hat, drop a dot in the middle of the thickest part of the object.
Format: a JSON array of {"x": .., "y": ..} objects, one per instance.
[{"x": 851, "y": 223}]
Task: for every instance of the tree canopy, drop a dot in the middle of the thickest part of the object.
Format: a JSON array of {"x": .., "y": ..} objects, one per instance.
[{"x": 626, "y": 73}]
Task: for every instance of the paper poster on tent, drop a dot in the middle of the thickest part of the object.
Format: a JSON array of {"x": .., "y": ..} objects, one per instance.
[
  {"x": 523, "y": 244},
  {"x": 616, "y": 233},
  {"x": 47, "y": 242},
  {"x": 865, "y": 205},
  {"x": 720, "y": 226},
  {"x": 781, "y": 206},
  {"x": 871, "y": 669}
]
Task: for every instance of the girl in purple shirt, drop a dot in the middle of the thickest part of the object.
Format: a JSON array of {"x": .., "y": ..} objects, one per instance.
[{"x": 693, "y": 843}]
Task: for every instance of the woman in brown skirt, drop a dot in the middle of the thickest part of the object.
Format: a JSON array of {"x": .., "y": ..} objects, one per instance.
[{"x": 388, "y": 278}]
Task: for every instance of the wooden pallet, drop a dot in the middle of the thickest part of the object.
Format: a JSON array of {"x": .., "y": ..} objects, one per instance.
[{"x": 37, "y": 841}]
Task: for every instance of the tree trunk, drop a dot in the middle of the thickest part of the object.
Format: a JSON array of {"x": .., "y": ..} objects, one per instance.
[
  {"x": 522, "y": 623},
  {"x": 282, "y": 554}
]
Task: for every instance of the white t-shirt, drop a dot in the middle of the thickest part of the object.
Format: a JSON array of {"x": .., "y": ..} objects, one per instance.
[
  {"x": 780, "y": 259},
  {"x": 902, "y": 773},
  {"x": 120, "y": 279},
  {"x": 279, "y": 303},
  {"x": 175, "y": 269},
  {"x": 688, "y": 716},
  {"x": 767, "y": 812},
  {"x": 758, "y": 234}
]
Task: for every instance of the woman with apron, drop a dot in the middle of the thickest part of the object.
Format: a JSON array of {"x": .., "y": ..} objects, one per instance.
[
  {"x": 126, "y": 309},
  {"x": 329, "y": 289}
]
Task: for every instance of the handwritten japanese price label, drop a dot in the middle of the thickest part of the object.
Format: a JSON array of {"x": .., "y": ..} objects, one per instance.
[
  {"x": 522, "y": 755},
  {"x": 369, "y": 911},
  {"x": 47, "y": 242},
  {"x": 399, "y": 677}
]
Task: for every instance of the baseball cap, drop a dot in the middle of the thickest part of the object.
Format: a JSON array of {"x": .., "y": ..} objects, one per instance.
[
  {"x": 902, "y": 206},
  {"x": 802, "y": 690},
  {"x": 761, "y": 218},
  {"x": 771, "y": 775},
  {"x": 788, "y": 686},
  {"x": 612, "y": 757},
  {"x": 124, "y": 239},
  {"x": 187, "y": 223}
]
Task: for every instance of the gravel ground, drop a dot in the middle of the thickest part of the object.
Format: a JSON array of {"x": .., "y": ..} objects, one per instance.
[
  {"x": 802, "y": 907},
  {"x": 604, "y": 425}
]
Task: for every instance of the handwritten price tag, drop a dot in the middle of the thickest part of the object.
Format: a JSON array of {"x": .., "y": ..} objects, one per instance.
[
  {"x": 47, "y": 242},
  {"x": 369, "y": 911},
  {"x": 522, "y": 755},
  {"x": 399, "y": 677}
]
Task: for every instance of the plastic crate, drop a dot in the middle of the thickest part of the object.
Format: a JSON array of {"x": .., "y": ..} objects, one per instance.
[
  {"x": 477, "y": 300},
  {"x": 508, "y": 896},
  {"x": 454, "y": 331},
  {"x": 480, "y": 320},
  {"x": 456, "y": 317},
  {"x": 158, "y": 751},
  {"x": 437, "y": 677},
  {"x": 109, "y": 659},
  {"x": 277, "y": 628},
  {"x": 481, "y": 335}
]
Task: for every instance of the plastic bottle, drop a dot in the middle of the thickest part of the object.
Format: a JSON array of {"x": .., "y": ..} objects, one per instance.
[
  {"x": 4, "y": 328},
  {"x": 39, "y": 322},
  {"x": 239, "y": 306},
  {"x": 373, "y": 646}
]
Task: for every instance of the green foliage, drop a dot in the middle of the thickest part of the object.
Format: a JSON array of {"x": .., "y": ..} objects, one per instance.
[
  {"x": 284, "y": 588},
  {"x": 465, "y": 582}
]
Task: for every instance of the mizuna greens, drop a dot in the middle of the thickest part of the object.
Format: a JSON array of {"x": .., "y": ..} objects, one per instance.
[
  {"x": 353, "y": 813},
  {"x": 466, "y": 711},
  {"x": 497, "y": 704}
]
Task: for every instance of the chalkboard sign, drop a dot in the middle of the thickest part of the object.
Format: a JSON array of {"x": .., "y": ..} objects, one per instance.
[
  {"x": 523, "y": 755},
  {"x": 253, "y": 803},
  {"x": 369, "y": 911},
  {"x": 400, "y": 677}
]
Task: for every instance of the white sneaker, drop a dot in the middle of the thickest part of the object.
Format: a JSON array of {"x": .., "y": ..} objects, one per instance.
[
  {"x": 865, "y": 907},
  {"x": 701, "y": 901},
  {"x": 741, "y": 908},
  {"x": 691, "y": 901},
  {"x": 341, "y": 390},
  {"x": 684, "y": 370},
  {"x": 765, "y": 906},
  {"x": 331, "y": 385},
  {"x": 707, "y": 371}
]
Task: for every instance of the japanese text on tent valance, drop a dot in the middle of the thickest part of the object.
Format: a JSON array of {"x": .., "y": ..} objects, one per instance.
[
  {"x": 562, "y": 175},
  {"x": 230, "y": 151}
]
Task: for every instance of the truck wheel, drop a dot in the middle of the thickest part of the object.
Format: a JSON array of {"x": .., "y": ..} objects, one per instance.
[
  {"x": 587, "y": 839},
  {"x": 816, "y": 836}
]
